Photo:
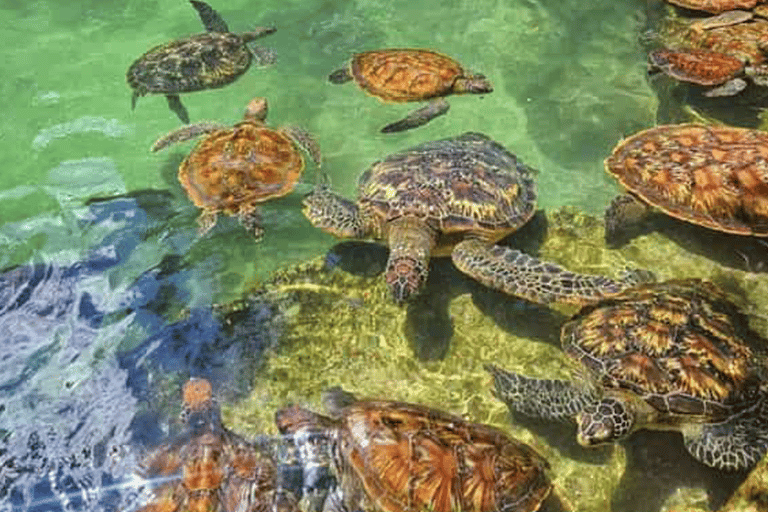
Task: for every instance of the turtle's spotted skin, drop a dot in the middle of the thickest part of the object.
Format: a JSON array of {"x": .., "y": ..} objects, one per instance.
[
  {"x": 407, "y": 74},
  {"x": 211, "y": 468},
  {"x": 400, "y": 457},
  {"x": 457, "y": 197},
  {"x": 233, "y": 169},
  {"x": 677, "y": 356},
  {"x": 713, "y": 176},
  {"x": 201, "y": 61}
]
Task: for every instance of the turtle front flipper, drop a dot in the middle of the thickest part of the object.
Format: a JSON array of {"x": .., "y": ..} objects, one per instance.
[
  {"x": 211, "y": 19},
  {"x": 516, "y": 273},
  {"x": 174, "y": 103},
  {"x": 623, "y": 218},
  {"x": 185, "y": 133},
  {"x": 305, "y": 141},
  {"x": 419, "y": 117},
  {"x": 334, "y": 214},
  {"x": 410, "y": 243},
  {"x": 550, "y": 399},
  {"x": 739, "y": 443}
]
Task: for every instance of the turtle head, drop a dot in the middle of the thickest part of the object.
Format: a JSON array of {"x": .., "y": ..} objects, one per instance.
[
  {"x": 257, "y": 109},
  {"x": 473, "y": 84},
  {"x": 605, "y": 421},
  {"x": 405, "y": 276},
  {"x": 200, "y": 413}
]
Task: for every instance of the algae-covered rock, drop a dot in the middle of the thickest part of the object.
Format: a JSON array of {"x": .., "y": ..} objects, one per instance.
[
  {"x": 341, "y": 328},
  {"x": 752, "y": 495}
]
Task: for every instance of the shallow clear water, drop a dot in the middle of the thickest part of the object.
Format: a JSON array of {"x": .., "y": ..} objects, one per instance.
[{"x": 103, "y": 231}]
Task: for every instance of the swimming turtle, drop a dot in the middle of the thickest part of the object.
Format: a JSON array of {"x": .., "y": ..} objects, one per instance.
[
  {"x": 210, "y": 467},
  {"x": 234, "y": 169},
  {"x": 401, "y": 457},
  {"x": 707, "y": 68},
  {"x": 713, "y": 176},
  {"x": 675, "y": 355},
  {"x": 201, "y": 61},
  {"x": 457, "y": 197},
  {"x": 401, "y": 75}
]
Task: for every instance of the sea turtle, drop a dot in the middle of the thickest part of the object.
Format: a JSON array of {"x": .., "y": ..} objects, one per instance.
[
  {"x": 201, "y": 61},
  {"x": 401, "y": 75},
  {"x": 713, "y": 176},
  {"x": 233, "y": 169},
  {"x": 675, "y": 355},
  {"x": 402, "y": 457},
  {"x": 716, "y": 6},
  {"x": 707, "y": 68},
  {"x": 210, "y": 467},
  {"x": 457, "y": 197}
]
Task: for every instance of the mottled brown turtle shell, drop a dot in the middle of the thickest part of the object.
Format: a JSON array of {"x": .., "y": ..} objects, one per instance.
[
  {"x": 401, "y": 457},
  {"x": 745, "y": 40},
  {"x": 401, "y": 75},
  {"x": 208, "y": 467},
  {"x": 702, "y": 67},
  {"x": 233, "y": 169},
  {"x": 716, "y": 6},
  {"x": 201, "y": 61},
  {"x": 462, "y": 185},
  {"x": 681, "y": 346},
  {"x": 714, "y": 176}
]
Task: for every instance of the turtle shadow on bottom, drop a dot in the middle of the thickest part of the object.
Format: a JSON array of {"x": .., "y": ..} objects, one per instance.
[
  {"x": 734, "y": 251},
  {"x": 658, "y": 465},
  {"x": 428, "y": 325}
]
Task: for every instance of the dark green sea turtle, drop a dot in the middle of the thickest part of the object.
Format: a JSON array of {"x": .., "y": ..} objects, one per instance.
[
  {"x": 209, "y": 468},
  {"x": 402, "y": 457},
  {"x": 672, "y": 356},
  {"x": 713, "y": 176},
  {"x": 234, "y": 169},
  {"x": 201, "y": 61},
  {"x": 457, "y": 197},
  {"x": 401, "y": 75}
]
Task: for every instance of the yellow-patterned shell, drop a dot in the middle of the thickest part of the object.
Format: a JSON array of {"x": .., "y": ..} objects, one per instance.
[
  {"x": 234, "y": 169},
  {"x": 680, "y": 345},
  {"x": 713, "y": 176},
  {"x": 401, "y": 75}
]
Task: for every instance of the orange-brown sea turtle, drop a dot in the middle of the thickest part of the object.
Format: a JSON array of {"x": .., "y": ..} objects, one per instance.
[
  {"x": 401, "y": 457},
  {"x": 452, "y": 197},
  {"x": 202, "y": 61},
  {"x": 713, "y": 176},
  {"x": 209, "y": 468},
  {"x": 716, "y": 6},
  {"x": 401, "y": 75},
  {"x": 672, "y": 356},
  {"x": 234, "y": 169}
]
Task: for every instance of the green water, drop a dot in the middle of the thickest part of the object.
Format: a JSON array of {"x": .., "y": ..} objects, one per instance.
[{"x": 569, "y": 81}]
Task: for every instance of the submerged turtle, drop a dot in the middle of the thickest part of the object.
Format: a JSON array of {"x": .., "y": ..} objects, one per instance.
[
  {"x": 707, "y": 68},
  {"x": 672, "y": 356},
  {"x": 213, "y": 468},
  {"x": 234, "y": 169},
  {"x": 716, "y": 6},
  {"x": 401, "y": 75},
  {"x": 202, "y": 61},
  {"x": 713, "y": 176},
  {"x": 457, "y": 197},
  {"x": 400, "y": 457}
]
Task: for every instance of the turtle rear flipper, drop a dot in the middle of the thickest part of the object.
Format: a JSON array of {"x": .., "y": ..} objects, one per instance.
[
  {"x": 174, "y": 103},
  {"x": 419, "y": 117},
  {"x": 340, "y": 76},
  {"x": 624, "y": 218},
  {"x": 739, "y": 443},
  {"x": 729, "y": 88},
  {"x": 516, "y": 273},
  {"x": 551, "y": 399},
  {"x": 185, "y": 133},
  {"x": 211, "y": 19}
]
